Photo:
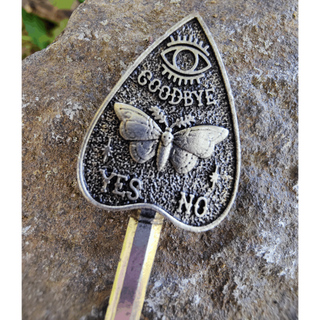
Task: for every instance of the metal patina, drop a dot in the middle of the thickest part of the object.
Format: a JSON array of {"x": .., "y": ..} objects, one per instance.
[{"x": 166, "y": 137}]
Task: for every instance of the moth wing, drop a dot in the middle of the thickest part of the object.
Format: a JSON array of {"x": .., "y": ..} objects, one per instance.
[
  {"x": 200, "y": 140},
  {"x": 142, "y": 151},
  {"x": 182, "y": 160},
  {"x": 135, "y": 124}
]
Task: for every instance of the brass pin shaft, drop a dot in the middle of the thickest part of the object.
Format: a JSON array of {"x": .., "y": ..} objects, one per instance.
[{"x": 134, "y": 268}]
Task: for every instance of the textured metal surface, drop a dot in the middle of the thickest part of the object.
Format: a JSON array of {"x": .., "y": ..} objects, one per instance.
[{"x": 166, "y": 138}]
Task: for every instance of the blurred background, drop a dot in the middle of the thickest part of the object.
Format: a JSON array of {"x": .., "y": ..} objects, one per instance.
[{"x": 43, "y": 21}]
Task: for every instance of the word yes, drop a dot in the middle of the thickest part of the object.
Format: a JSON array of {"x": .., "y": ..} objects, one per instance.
[{"x": 118, "y": 185}]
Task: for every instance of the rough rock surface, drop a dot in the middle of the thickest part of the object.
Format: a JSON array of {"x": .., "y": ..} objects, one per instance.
[{"x": 246, "y": 268}]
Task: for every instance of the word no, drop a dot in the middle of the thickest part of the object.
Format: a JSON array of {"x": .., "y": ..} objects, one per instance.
[{"x": 188, "y": 205}]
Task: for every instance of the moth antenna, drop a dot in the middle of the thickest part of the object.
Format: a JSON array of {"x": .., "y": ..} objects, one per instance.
[
  {"x": 159, "y": 114},
  {"x": 183, "y": 121}
]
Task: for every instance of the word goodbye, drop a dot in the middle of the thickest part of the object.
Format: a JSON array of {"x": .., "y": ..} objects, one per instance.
[
  {"x": 118, "y": 185},
  {"x": 176, "y": 94},
  {"x": 188, "y": 205}
]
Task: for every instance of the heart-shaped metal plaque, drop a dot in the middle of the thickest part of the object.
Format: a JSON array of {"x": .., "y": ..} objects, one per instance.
[{"x": 166, "y": 137}]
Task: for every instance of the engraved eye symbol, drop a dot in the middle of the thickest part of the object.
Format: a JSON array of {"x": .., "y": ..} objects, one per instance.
[{"x": 189, "y": 61}]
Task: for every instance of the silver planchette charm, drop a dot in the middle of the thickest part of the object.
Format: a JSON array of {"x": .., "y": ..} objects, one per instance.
[{"x": 166, "y": 137}]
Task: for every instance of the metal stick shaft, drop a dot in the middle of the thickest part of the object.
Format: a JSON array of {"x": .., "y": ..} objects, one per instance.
[{"x": 134, "y": 268}]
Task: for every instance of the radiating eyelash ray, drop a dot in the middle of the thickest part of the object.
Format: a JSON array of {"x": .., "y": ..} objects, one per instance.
[
  {"x": 175, "y": 76},
  {"x": 189, "y": 41}
]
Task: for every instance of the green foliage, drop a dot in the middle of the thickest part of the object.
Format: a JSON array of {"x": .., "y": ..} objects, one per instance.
[
  {"x": 28, "y": 47},
  {"x": 36, "y": 29},
  {"x": 38, "y": 33},
  {"x": 59, "y": 28},
  {"x": 62, "y": 4}
]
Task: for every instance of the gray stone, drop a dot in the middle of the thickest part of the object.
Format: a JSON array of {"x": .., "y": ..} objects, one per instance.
[{"x": 246, "y": 268}]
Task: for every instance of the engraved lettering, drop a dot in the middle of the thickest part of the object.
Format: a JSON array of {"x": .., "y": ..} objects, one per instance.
[
  {"x": 198, "y": 96},
  {"x": 167, "y": 94},
  {"x": 118, "y": 185},
  {"x": 157, "y": 87},
  {"x": 147, "y": 74},
  {"x": 183, "y": 201},
  {"x": 197, "y": 206},
  {"x": 173, "y": 95},
  {"x": 106, "y": 180},
  {"x": 136, "y": 189},
  {"x": 176, "y": 94},
  {"x": 201, "y": 202},
  {"x": 187, "y": 98},
  {"x": 134, "y": 184},
  {"x": 209, "y": 97}
]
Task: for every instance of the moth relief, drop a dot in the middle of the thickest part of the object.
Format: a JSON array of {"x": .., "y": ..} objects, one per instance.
[
  {"x": 207, "y": 96},
  {"x": 134, "y": 184},
  {"x": 182, "y": 148}
]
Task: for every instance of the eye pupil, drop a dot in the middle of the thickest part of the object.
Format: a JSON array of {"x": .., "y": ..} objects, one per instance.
[{"x": 185, "y": 60}]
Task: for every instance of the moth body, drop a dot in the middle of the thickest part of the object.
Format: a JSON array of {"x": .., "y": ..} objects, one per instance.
[{"x": 164, "y": 149}]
